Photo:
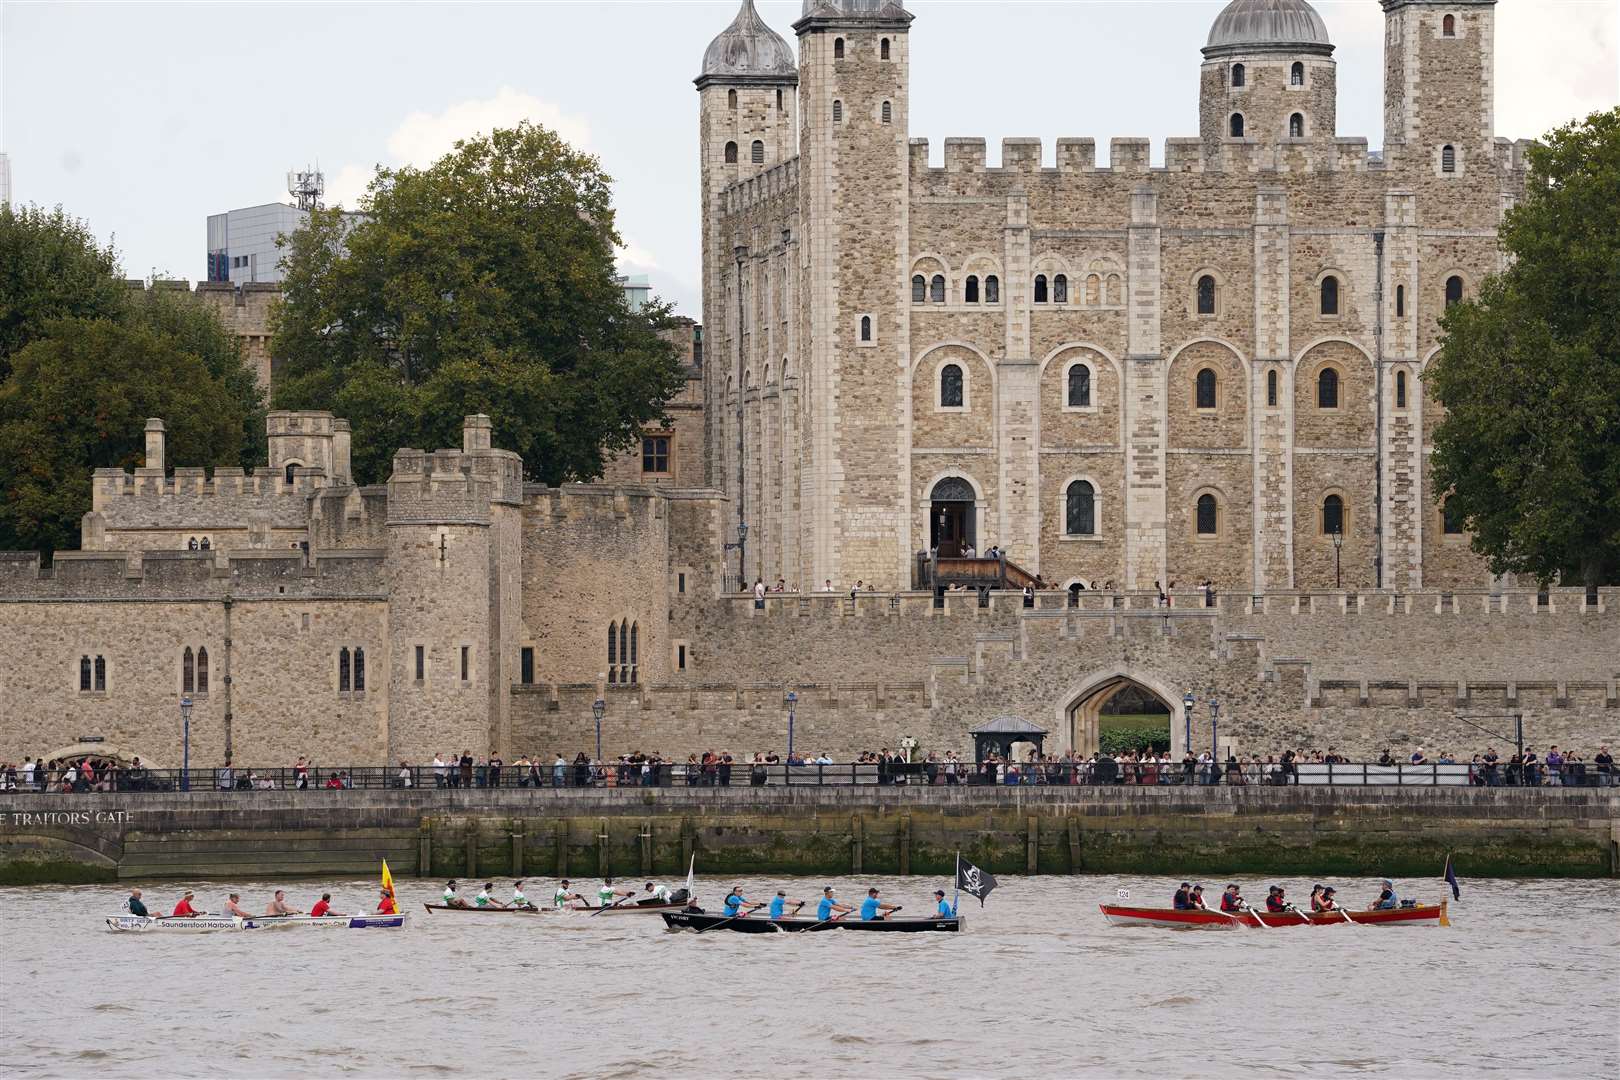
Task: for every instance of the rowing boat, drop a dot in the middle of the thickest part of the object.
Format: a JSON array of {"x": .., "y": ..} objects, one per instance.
[
  {"x": 1125, "y": 915},
  {"x": 206, "y": 924},
  {"x": 688, "y": 920},
  {"x": 586, "y": 909}
]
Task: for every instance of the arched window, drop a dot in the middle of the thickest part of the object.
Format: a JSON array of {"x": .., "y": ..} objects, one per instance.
[
  {"x": 287, "y": 473},
  {"x": 202, "y": 671},
  {"x": 758, "y": 153},
  {"x": 1448, "y": 26},
  {"x": 950, "y": 387},
  {"x": 1040, "y": 288},
  {"x": 731, "y": 100},
  {"x": 838, "y": 48},
  {"x": 779, "y": 100},
  {"x": 613, "y": 652},
  {"x": 936, "y": 289},
  {"x": 1332, "y": 515},
  {"x": 866, "y": 328},
  {"x": 1236, "y": 126},
  {"x": 970, "y": 290},
  {"x": 359, "y": 669},
  {"x": 1451, "y": 522},
  {"x": 635, "y": 650},
  {"x": 1296, "y": 74},
  {"x": 101, "y": 674},
  {"x": 1237, "y": 74},
  {"x": 345, "y": 674},
  {"x": 1400, "y": 389},
  {"x": 1094, "y": 290},
  {"x": 624, "y": 651},
  {"x": 191, "y": 544},
  {"x": 1208, "y": 515},
  {"x": 838, "y": 112},
  {"x": 1296, "y": 126},
  {"x": 883, "y": 49},
  {"x": 992, "y": 290},
  {"x": 888, "y": 113},
  {"x": 84, "y": 674},
  {"x": 1204, "y": 393},
  {"x": 731, "y": 153},
  {"x": 1206, "y": 295},
  {"x": 919, "y": 289},
  {"x": 1079, "y": 387},
  {"x": 1327, "y": 389},
  {"x": 1400, "y": 301},
  {"x": 1114, "y": 292},
  {"x": 205, "y": 544},
  {"x": 1330, "y": 295},
  {"x": 1060, "y": 289},
  {"x": 1271, "y": 387},
  {"x": 1454, "y": 290},
  {"x": 1448, "y": 159},
  {"x": 1080, "y": 508},
  {"x": 188, "y": 672}
]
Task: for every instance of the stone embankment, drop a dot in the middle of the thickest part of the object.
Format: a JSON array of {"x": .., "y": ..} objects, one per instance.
[{"x": 1496, "y": 832}]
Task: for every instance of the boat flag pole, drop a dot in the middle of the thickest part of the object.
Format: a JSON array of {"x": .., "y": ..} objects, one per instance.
[{"x": 958, "y": 896}]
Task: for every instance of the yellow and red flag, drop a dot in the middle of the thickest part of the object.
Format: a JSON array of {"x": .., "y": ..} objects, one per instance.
[{"x": 388, "y": 885}]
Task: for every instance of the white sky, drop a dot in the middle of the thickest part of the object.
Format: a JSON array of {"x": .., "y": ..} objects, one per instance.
[{"x": 145, "y": 118}]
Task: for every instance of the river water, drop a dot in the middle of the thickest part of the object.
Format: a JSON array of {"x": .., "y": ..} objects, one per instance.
[{"x": 1524, "y": 984}]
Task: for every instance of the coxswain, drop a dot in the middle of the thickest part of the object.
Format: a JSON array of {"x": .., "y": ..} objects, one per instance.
[
  {"x": 656, "y": 894},
  {"x": 942, "y": 908},
  {"x": 561, "y": 897},
  {"x": 779, "y": 904},
  {"x": 520, "y": 901},
  {"x": 1232, "y": 902},
  {"x": 233, "y": 906},
  {"x": 607, "y": 895},
  {"x": 134, "y": 905},
  {"x": 1182, "y": 901},
  {"x": 873, "y": 909},
  {"x": 736, "y": 901},
  {"x": 829, "y": 909},
  {"x": 451, "y": 897},
  {"x": 1274, "y": 900},
  {"x": 1316, "y": 898},
  {"x": 278, "y": 905},
  {"x": 1195, "y": 899},
  {"x": 1386, "y": 897},
  {"x": 385, "y": 903},
  {"x": 483, "y": 899},
  {"x": 323, "y": 907},
  {"x": 1328, "y": 903},
  {"x": 184, "y": 910}
]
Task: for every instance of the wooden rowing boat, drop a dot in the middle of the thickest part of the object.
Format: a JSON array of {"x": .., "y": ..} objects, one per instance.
[
  {"x": 585, "y": 909},
  {"x": 207, "y": 924},
  {"x": 1126, "y": 915},
  {"x": 688, "y": 920}
]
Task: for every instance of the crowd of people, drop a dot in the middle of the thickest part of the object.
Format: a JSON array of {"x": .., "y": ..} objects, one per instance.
[{"x": 1190, "y": 897}]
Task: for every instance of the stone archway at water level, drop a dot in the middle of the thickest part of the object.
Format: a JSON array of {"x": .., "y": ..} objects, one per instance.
[{"x": 1105, "y": 696}]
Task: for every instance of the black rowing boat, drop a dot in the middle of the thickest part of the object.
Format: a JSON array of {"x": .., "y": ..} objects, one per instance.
[{"x": 754, "y": 924}]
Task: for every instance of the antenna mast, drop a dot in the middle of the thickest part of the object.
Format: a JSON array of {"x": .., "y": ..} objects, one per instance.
[{"x": 306, "y": 188}]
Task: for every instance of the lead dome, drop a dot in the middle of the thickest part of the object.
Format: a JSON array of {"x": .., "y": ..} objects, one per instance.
[
  {"x": 856, "y": 8},
  {"x": 748, "y": 47},
  {"x": 1248, "y": 25}
]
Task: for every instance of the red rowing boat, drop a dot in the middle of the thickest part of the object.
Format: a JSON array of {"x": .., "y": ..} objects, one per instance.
[{"x": 1125, "y": 915}]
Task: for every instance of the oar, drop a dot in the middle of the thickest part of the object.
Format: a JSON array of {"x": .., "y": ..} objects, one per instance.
[
  {"x": 1346, "y": 915},
  {"x": 824, "y": 922},
  {"x": 611, "y": 906},
  {"x": 1306, "y": 919},
  {"x": 722, "y": 922},
  {"x": 1257, "y": 918}
]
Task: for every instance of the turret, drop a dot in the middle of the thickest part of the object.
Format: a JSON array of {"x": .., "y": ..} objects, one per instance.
[
  {"x": 1268, "y": 76},
  {"x": 1439, "y": 82}
]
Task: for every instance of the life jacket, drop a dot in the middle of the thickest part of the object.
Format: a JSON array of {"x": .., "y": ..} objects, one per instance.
[
  {"x": 1275, "y": 903},
  {"x": 1182, "y": 900},
  {"x": 1316, "y": 902},
  {"x": 1229, "y": 902}
]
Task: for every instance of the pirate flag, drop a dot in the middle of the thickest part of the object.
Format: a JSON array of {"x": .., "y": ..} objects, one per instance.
[{"x": 973, "y": 881}]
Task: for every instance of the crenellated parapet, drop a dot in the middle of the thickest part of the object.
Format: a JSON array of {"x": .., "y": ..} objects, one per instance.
[
  {"x": 179, "y": 575},
  {"x": 772, "y": 184}
]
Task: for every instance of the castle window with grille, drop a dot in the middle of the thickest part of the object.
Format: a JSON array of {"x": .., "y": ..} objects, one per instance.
[
  {"x": 1080, "y": 509},
  {"x": 883, "y": 49},
  {"x": 101, "y": 674},
  {"x": 936, "y": 289},
  {"x": 421, "y": 663},
  {"x": 1400, "y": 301},
  {"x": 838, "y": 48},
  {"x": 84, "y": 674},
  {"x": 1327, "y": 389},
  {"x": 1332, "y": 515},
  {"x": 345, "y": 671},
  {"x": 1236, "y": 126},
  {"x": 731, "y": 153},
  {"x": 1330, "y": 295},
  {"x": 359, "y": 669},
  {"x": 888, "y": 113},
  {"x": 188, "y": 672},
  {"x": 1060, "y": 289},
  {"x": 1208, "y": 515},
  {"x": 1400, "y": 389},
  {"x": 866, "y": 328},
  {"x": 1079, "y": 387},
  {"x": 202, "y": 671},
  {"x": 1237, "y": 74},
  {"x": 1454, "y": 290},
  {"x": 1296, "y": 74},
  {"x": 1448, "y": 159},
  {"x": 655, "y": 453},
  {"x": 1206, "y": 295},
  {"x": 758, "y": 152},
  {"x": 1296, "y": 126},
  {"x": 1040, "y": 288},
  {"x": 970, "y": 291},
  {"x": 919, "y": 289},
  {"x": 838, "y": 112},
  {"x": 950, "y": 387},
  {"x": 1204, "y": 389},
  {"x": 731, "y": 100},
  {"x": 526, "y": 665},
  {"x": 1271, "y": 388},
  {"x": 613, "y": 652},
  {"x": 992, "y": 290}
]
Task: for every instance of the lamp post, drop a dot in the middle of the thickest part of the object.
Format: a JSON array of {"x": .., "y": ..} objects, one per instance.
[
  {"x": 1187, "y": 701},
  {"x": 742, "y": 555},
  {"x": 792, "y": 700},
  {"x": 1338, "y": 543},
  {"x": 598, "y": 710},
  {"x": 185, "y": 744},
  {"x": 1214, "y": 727}
]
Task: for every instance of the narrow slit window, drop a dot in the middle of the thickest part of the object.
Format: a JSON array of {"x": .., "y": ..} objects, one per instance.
[
  {"x": 731, "y": 153},
  {"x": 970, "y": 291},
  {"x": 1296, "y": 126},
  {"x": 1327, "y": 389},
  {"x": 202, "y": 670},
  {"x": 919, "y": 289},
  {"x": 950, "y": 387},
  {"x": 1060, "y": 289},
  {"x": 758, "y": 152},
  {"x": 613, "y": 652},
  {"x": 992, "y": 290},
  {"x": 936, "y": 289},
  {"x": 84, "y": 674},
  {"x": 466, "y": 663},
  {"x": 526, "y": 665},
  {"x": 101, "y": 674},
  {"x": 1330, "y": 295},
  {"x": 1271, "y": 388},
  {"x": 680, "y": 658},
  {"x": 1454, "y": 290},
  {"x": 1400, "y": 389},
  {"x": 866, "y": 328},
  {"x": 188, "y": 672},
  {"x": 1400, "y": 301},
  {"x": 359, "y": 669},
  {"x": 883, "y": 49},
  {"x": 1206, "y": 295},
  {"x": 345, "y": 671},
  {"x": 1237, "y": 74},
  {"x": 838, "y": 48},
  {"x": 1040, "y": 288},
  {"x": 1296, "y": 74},
  {"x": 1208, "y": 514},
  {"x": 421, "y": 663},
  {"x": 1079, "y": 387},
  {"x": 731, "y": 100},
  {"x": 1236, "y": 126},
  {"x": 1204, "y": 394}
]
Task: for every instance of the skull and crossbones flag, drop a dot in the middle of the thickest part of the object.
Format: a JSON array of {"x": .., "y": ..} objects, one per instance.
[{"x": 973, "y": 881}]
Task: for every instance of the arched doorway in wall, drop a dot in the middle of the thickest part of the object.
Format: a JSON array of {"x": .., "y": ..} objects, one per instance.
[
  {"x": 1115, "y": 701},
  {"x": 952, "y": 523}
]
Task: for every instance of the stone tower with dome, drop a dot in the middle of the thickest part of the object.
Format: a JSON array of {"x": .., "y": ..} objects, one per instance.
[{"x": 1111, "y": 370}]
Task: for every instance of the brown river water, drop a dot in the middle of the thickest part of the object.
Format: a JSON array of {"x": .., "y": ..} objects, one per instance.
[{"x": 1526, "y": 983}]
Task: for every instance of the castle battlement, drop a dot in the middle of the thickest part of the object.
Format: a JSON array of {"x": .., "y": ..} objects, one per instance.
[
  {"x": 770, "y": 184},
  {"x": 1021, "y": 157},
  {"x": 164, "y": 574}
]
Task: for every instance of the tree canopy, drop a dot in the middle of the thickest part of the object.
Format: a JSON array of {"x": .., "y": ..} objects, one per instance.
[
  {"x": 483, "y": 283},
  {"x": 50, "y": 268},
  {"x": 1529, "y": 373}
]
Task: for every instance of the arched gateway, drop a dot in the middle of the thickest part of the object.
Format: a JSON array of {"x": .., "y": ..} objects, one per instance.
[{"x": 1079, "y": 709}]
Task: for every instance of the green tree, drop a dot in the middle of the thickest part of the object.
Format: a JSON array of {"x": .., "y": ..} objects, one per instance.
[
  {"x": 484, "y": 283},
  {"x": 1529, "y": 373},
  {"x": 50, "y": 268},
  {"x": 78, "y": 399}
]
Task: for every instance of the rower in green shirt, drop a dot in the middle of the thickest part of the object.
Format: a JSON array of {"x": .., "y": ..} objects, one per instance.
[
  {"x": 484, "y": 900},
  {"x": 561, "y": 897},
  {"x": 607, "y": 895}
]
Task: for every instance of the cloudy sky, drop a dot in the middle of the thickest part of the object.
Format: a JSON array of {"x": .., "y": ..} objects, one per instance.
[{"x": 145, "y": 118}]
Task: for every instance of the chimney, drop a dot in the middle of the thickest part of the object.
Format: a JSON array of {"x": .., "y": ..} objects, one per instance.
[
  {"x": 475, "y": 433},
  {"x": 154, "y": 444},
  {"x": 341, "y": 472}
]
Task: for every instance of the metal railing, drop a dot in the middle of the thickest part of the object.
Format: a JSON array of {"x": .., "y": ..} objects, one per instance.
[{"x": 1100, "y": 773}]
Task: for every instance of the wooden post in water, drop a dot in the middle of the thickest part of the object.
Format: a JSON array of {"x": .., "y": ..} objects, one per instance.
[
  {"x": 688, "y": 841},
  {"x": 424, "y": 848},
  {"x": 857, "y": 835},
  {"x": 1032, "y": 842},
  {"x": 562, "y": 847},
  {"x": 1074, "y": 844},
  {"x": 517, "y": 847},
  {"x": 905, "y": 845},
  {"x": 472, "y": 849},
  {"x": 646, "y": 848},
  {"x": 601, "y": 847}
]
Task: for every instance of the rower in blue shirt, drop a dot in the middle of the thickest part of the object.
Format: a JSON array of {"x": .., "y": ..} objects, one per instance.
[
  {"x": 780, "y": 901},
  {"x": 735, "y": 901},
  {"x": 829, "y": 908},
  {"x": 945, "y": 910},
  {"x": 873, "y": 909}
]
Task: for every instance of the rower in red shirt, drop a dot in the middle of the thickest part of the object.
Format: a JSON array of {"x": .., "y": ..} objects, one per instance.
[
  {"x": 184, "y": 910},
  {"x": 323, "y": 906},
  {"x": 386, "y": 905}
]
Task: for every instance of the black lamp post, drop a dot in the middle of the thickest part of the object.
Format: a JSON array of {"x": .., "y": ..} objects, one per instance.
[
  {"x": 1338, "y": 542},
  {"x": 1214, "y": 727},
  {"x": 185, "y": 744},
  {"x": 598, "y": 710},
  {"x": 741, "y": 547},
  {"x": 1187, "y": 701},
  {"x": 792, "y": 700}
]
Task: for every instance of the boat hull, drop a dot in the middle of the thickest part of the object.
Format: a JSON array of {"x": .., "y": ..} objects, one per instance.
[
  {"x": 208, "y": 924},
  {"x": 685, "y": 920},
  {"x": 1126, "y": 915},
  {"x": 623, "y": 909},
  {"x": 328, "y": 922},
  {"x": 156, "y": 924}
]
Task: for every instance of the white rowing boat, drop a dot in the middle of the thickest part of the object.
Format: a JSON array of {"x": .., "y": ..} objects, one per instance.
[{"x": 205, "y": 924}]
